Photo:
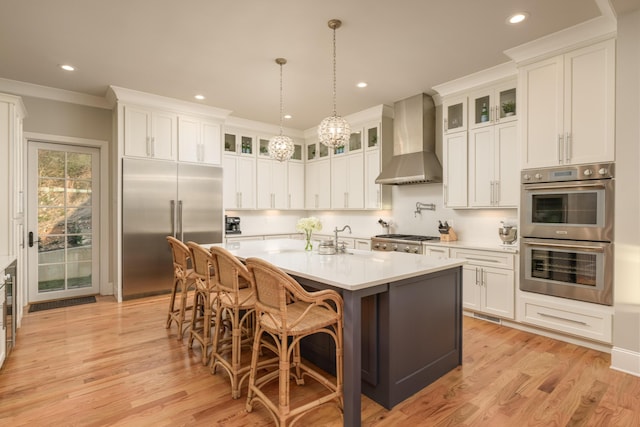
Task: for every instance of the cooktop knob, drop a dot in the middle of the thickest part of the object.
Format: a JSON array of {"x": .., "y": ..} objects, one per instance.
[
  {"x": 384, "y": 246},
  {"x": 377, "y": 245},
  {"x": 588, "y": 172},
  {"x": 538, "y": 176},
  {"x": 394, "y": 247},
  {"x": 415, "y": 250},
  {"x": 603, "y": 171},
  {"x": 406, "y": 249},
  {"x": 526, "y": 177}
]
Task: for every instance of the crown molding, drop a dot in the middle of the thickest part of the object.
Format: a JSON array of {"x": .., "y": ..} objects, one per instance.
[
  {"x": 491, "y": 75},
  {"x": 117, "y": 94},
  {"x": 37, "y": 91},
  {"x": 595, "y": 30}
]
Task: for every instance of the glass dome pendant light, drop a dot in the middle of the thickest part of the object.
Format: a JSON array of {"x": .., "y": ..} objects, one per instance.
[
  {"x": 334, "y": 131},
  {"x": 280, "y": 147}
]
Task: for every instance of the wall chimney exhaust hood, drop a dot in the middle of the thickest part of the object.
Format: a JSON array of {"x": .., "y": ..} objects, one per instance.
[{"x": 414, "y": 158}]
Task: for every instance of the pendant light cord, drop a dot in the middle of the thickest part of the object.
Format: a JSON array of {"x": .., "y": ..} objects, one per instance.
[
  {"x": 281, "y": 102},
  {"x": 334, "y": 72}
]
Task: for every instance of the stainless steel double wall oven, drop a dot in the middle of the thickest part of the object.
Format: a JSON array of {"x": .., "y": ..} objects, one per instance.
[{"x": 566, "y": 225}]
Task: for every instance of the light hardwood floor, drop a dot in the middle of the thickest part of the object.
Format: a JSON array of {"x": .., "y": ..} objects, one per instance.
[{"x": 115, "y": 364}]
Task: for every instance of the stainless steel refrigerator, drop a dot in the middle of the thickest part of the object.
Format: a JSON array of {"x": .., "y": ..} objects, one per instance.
[{"x": 162, "y": 199}]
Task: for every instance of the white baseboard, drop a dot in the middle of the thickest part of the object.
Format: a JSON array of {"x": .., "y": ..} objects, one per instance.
[{"x": 625, "y": 361}]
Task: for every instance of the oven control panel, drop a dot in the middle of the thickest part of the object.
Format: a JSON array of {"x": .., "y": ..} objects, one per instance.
[{"x": 568, "y": 173}]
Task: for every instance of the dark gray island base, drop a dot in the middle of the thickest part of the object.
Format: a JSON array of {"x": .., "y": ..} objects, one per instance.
[{"x": 408, "y": 334}]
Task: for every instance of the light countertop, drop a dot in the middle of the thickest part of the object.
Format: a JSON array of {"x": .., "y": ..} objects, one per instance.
[{"x": 352, "y": 271}]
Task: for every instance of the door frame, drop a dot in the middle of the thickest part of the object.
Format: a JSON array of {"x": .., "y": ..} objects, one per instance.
[{"x": 105, "y": 287}]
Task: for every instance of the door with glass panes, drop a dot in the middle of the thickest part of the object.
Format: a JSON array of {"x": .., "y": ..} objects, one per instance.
[{"x": 63, "y": 221}]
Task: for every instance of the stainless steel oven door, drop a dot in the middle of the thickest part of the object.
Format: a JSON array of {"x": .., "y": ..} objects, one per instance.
[
  {"x": 574, "y": 210},
  {"x": 570, "y": 269}
]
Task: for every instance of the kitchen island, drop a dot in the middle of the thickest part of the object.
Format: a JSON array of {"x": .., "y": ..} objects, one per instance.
[{"x": 402, "y": 316}]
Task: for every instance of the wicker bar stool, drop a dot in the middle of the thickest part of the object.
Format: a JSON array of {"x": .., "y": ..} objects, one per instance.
[
  {"x": 235, "y": 312},
  {"x": 203, "y": 300},
  {"x": 288, "y": 313},
  {"x": 183, "y": 283}
]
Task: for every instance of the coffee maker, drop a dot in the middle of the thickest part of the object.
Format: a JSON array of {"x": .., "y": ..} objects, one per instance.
[{"x": 232, "y": 224}]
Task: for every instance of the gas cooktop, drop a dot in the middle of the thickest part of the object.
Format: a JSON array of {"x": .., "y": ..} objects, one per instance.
[{"x": 411, "y": 237}]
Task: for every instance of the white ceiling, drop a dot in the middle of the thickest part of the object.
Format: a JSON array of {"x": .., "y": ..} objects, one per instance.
[{"x": 226, "y": 49}]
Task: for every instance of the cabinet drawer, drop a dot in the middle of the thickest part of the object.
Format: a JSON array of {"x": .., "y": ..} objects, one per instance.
[
  {"x": 578, "y": 321},
  {"x": 484, "y": 258},
  {"x": 436, "y": 252}
]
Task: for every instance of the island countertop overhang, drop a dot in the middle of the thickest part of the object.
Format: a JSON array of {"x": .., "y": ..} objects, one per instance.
[{"x": 352, "y": 271}]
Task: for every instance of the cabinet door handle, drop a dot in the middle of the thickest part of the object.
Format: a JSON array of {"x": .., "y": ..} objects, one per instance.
[
  {"x": 446, "y": 195},
  {"x": 148, "y": 146},
  {"x": 497, "y": 187},
  {"x": 346, "y": 200},
  {"x": 563, "y": 318},
  {"x": 491, "y": 192},
  {"x": 289, "y": 201},
  {"x": 560, "y": 149},
  {"x": 445, "y": 125},
  {"x": 567, "y": 146},
  {"x": 477, "y": 271}
]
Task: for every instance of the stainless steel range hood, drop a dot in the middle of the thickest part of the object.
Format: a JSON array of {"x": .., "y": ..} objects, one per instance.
[{"x": 414, "y": 158}]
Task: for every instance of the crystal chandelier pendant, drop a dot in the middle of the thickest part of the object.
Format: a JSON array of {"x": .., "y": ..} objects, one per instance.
[
  {"x": 280, "y": 147},
  {"x": 334, "y": 131}
]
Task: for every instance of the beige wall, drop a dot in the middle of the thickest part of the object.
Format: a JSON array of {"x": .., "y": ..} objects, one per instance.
[
  {"x": 627, "y": 221},
  {"x": 65, "y": 119}
]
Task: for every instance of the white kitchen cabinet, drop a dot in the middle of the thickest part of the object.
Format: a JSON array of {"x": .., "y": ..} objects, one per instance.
[
  {"x": 454, "y": 181},
  {"x": 438, "y": 252},
  {"x": 378, "y": 140},
  {"x": 582, "y": 319},
  {"x": 199, "y": 141},
  {"x": 318, "y": 185},
  {"x": 488, "y": 282},
  {"x": 295, "y": 185},
  {"x": 263, "y": 149},
  {"x": 568, "y": 108},
  {"x": 362, "y": 244},
  {"x": 239, "y": 142},
  {"x": 11, "y": 170},
  {"x": 239, "y": 182},
  {"x": 316, "y": 151},
  {"x": 150, "y": 133},
  {"x": 271, "y": 184},
  {"x": 347, "y": 181},
  {"x": 493, "y": 104},
  {"x": 454, "y": 114},
  {"x": 493, "y": 169}
]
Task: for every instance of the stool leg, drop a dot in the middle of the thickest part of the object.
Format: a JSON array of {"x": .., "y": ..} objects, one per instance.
[
  {"x": 172, "y": 302},
  {"x": 253, "y": 370}
]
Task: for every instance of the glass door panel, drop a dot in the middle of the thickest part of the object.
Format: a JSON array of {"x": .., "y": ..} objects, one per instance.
[
  {"x": 229, "y": 143},
  {"x": 66, "y": 215}
]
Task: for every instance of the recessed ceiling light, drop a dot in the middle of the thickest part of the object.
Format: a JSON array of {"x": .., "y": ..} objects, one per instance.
[
  {"x": 516, "y": 18},
  {"x": 288, "y": 116},
  {"x": 68, "y": 67},
  {"x": 199, "y": 97},
  {"x": 362, "y": 84}
]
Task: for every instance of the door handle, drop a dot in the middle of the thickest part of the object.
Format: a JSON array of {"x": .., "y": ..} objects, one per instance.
[
  {"x": 180, "y": 220},
  {"x": 31, "y": 241},
  {"x": 173, "y": 217}
]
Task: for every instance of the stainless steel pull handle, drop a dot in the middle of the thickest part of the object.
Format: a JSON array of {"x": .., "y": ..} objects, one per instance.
[
  {"x": 567, "y": 146},
  {"x": 497, "y": 190},
  {"x": 445, "y": 194},
  {"x": 346, "y": 200},
  {"x": 180, "y": 220},
  {"x": 172, "y": 205},
  {"x": 153, "y": 146},
  {"x": 563, "y": 318},
  {"x": 482, "y": 259},
  {"x": 560, "y": 149},
  {"x": 477, "y": 271},
  {"x": 564, "y": 246},
  {"x": 564, "y": 185},
  {"x": 445, "y": 125},
  {"x": 148, "y": 146}
]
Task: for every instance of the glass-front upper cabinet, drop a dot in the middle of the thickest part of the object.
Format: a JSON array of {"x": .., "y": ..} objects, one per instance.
[
  {"x": 354, "y": 144},
  {"x": 372, "y": 135},
  {"x": 235, "y": 143},
  {"x": 316, "y": 150},
  {"x": 495, "y": 104},
  {"x": 263, "y": 149},
  {"x": 454, "y": 114}
]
